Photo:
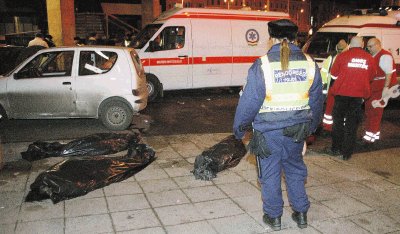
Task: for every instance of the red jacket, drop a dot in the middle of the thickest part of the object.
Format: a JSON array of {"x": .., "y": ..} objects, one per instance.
[
  {"x": 379, "y": 80},
  {"x": 354, "y": 70}
]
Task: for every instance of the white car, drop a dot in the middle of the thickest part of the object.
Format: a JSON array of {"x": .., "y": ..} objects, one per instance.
[{"x": 76, "y": 82}]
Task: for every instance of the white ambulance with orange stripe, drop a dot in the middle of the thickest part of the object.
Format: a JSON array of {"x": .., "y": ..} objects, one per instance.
[
  {"x": 382, "y": 24},
  {"x": 189, "y": 48}
]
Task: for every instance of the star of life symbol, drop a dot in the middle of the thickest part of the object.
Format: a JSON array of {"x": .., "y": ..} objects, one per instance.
[{"x": 252, "y": 37}]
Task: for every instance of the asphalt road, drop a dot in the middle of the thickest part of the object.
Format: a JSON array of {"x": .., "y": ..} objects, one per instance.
[{"x": 179, "y": 112}]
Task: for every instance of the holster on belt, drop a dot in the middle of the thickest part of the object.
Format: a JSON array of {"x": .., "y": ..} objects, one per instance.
[
  {"x": 298, "y": 132},
  {"x": 258, "y": 145}
]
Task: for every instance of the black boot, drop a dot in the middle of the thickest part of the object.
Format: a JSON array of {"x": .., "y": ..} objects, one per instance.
[
  {"x": 274, "y": 223},
  {"x": 300, "y": 219}
]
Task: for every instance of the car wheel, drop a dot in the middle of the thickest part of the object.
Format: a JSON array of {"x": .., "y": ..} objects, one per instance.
[
  {"x": 116, "y": 115},
  {"x": 153, "y": 87}
]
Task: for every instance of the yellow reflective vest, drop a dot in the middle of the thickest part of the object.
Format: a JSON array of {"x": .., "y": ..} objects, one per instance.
[{"x": 287, "y": 90}]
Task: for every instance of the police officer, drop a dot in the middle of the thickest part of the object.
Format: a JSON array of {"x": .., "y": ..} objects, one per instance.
[{"x": 283, "y": 101}]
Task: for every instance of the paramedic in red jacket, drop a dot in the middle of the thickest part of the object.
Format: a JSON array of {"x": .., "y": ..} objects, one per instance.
[
  {"x": 385, "y": 79},
  {"x": 352, "y": 71}
]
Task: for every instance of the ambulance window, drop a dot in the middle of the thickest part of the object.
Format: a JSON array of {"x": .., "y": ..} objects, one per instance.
[
  {"x": 144, "y": 36},
  {"x": 322, "y": 44},
  {"x": 170, "y": 38}
]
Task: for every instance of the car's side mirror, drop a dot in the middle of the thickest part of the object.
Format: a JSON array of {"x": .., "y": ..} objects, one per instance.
[
  {"x": 152, "y": 46},
  {"x": 18, "y": 75}
]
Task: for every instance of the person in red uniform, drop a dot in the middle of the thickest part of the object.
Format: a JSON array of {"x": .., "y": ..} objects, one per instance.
[
  {"x": 385, "y": 79},
  {"x": 352, "y": 71}
]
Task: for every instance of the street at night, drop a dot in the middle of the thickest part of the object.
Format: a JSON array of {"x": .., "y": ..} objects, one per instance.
[{"x": 123, "y": 116}]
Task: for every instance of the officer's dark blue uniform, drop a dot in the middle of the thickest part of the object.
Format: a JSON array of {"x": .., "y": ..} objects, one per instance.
[{"x": 285, "y": 153}]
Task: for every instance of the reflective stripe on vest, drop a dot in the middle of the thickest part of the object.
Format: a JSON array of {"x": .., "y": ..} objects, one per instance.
[{"x": 287, "y": 90}]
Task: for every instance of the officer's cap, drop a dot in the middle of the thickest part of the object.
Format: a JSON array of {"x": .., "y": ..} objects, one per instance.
[{"x": 282, "y": 28}]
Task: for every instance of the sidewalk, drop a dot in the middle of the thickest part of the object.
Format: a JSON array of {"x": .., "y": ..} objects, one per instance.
[{"x": 165, "y": 198}]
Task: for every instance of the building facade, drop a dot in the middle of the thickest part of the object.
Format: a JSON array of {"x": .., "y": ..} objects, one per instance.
[{"x": 299, "y": 10}]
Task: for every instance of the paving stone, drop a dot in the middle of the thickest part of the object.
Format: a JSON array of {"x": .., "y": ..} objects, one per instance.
[
  {"x": 41, "y": 210},
  {"x": 312, "y": 182},
  {"x": 122, "y": 189},
  {"x": 154, "y": 186},
  {"x": 151, "y": 174},
  {"x": 218, "y": 208},
  {"x": 323, "y": 193},
  {"x": 179, "y": 138},
  {"x": 156, "y": 142},
  {"x": 319, "y": 212},
  {"x": 237, "y": 224},
  {"x": 155, "y": 230},
  {"x": 250, "y": 203},
  {"x": 393, "y": 212},
  {"x": 242, "y": 189},
  {"x": 226, "y": 177},
  {"x": 127, "y": 202},
  {"x": 249, "y": 175},
  {"x": 167, "y": 198},
  {"x": 379, "y": 184},
  {"x": 191, "y": 160},
  {"x": 329, "y": 164},
  {"x": 10, "y": 199},
  {"x": 342, "y": 225},
  {"x": 178, "y": 214},
  {"x": 9, "y": 214},
  {"x": 7, "y": 228},
  {"x": 353, "y": 174},
  {"x": 346, "y": 206},
  {"x": 52, "y": 226},
  {"x": 92, "y": 194},
  {"x": 376, "y": 222},
  {"x": 205, "y": 193},
  {"x": 167, "y": 153},
  {"x": 13, "y": 181},
  {"x": 90, "y": 206},
  {"x": 89, "y": 224},
  {"x": 187, "y": 149},
  {"x": 136, "y": 219},
  {"x": 190, "y": 182},
  {"x": 182, "y": 168},
  {"x": 204, "y": 141},
  {"x": 201, "y": 227}
]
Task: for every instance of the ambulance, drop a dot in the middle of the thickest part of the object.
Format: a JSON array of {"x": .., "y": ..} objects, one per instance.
[
  {"x": 190, "y": 48},
  {"x": 382, "y": 24}
]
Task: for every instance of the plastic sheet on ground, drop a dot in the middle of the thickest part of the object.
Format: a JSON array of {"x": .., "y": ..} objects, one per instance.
[
  {"x": 223, "y": 155},
  {"x": 77, "y": 176},
  {"x": 92, "y": 145}
]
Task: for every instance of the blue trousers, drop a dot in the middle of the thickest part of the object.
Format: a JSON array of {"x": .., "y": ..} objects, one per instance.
[{"x": 285, "y": 157}]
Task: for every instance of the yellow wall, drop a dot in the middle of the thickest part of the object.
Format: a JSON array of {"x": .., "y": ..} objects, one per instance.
[{"x": 61, "y": 21}]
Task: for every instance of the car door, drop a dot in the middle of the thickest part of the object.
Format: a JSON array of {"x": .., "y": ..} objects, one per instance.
[{"x": 44, "y": 87}]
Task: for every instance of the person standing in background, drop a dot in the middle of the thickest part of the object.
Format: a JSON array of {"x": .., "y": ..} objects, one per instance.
[
  {"x": 38, "y": 41},
  {"x": 327, "y": 121},
  {"x": 352, "y": 71},
  {"x": 385, "y": 79}
]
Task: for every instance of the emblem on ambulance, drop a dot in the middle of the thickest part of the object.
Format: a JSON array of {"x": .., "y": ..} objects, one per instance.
[{"x": 252, "y": 37}]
